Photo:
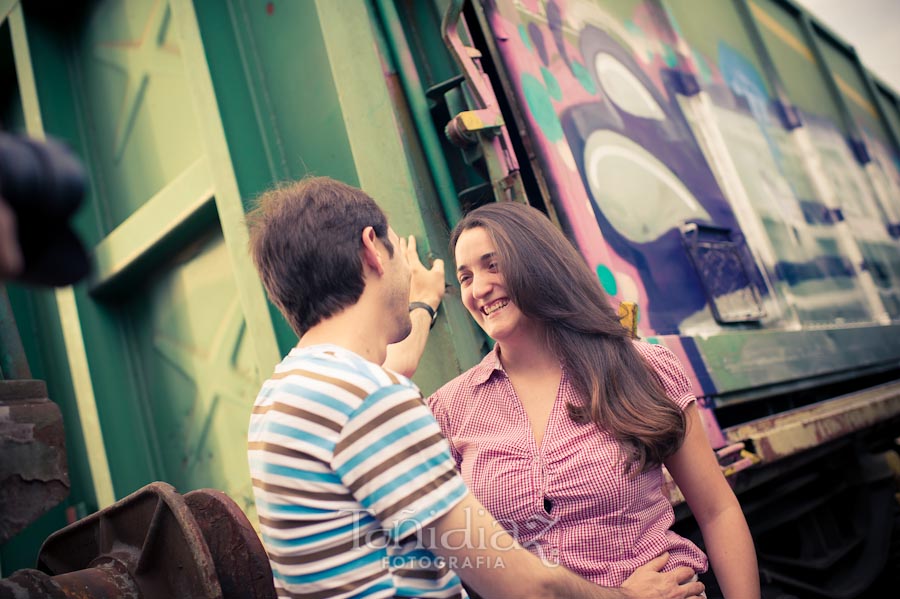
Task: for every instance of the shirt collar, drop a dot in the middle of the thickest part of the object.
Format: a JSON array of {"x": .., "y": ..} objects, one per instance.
[{"x": 490, "y": 364}]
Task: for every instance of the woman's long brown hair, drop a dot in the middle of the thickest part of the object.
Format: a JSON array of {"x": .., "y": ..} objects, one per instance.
[{"x": 550, "y": 282}]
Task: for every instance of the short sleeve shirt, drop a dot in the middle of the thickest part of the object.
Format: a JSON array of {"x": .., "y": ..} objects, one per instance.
[
  {"x": 567, "y": 499},
  {"x": 348, "y": 466}
]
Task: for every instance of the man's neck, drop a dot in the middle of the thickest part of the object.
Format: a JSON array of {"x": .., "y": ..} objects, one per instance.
[{"x": 354, "y": 329}]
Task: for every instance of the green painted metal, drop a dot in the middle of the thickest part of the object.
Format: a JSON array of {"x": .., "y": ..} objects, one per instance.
[
  {"x": 122, "y": 339},
  {"x": 420, "y": 20},
  {"x": 181, "y": 200},
  {"x": 721, "y": 21},
  {"x": 338, "y": 132},
  {"x": 378, "y": 147},
  {"x": 755, "y": 359},
  {"x": 769, "y": 70},
  {"x": 844, "y": 69},
  {"x": 228, "y": 197},
  {"x": 133, "y": 84},
  {"x": 165, "y": 345},
  {"x": 24, "y": 71},
  {"x": 415, "y": 95},
  {"x": 815, "y": 46},
  {"x": 38, "y": 328},
  {"x": 184, "y": 111},
  {"x": 879, "y": 100},
  {"x": 13, "y": 362},
  {"x": 71, "y": 327},
  {"x": 786, "y": 43},
  {"x": 6, "y": 7},
  {"x": 190, "y": 335},
  {"x": 889, "y": 105},
  {"x": 88, "y": 415}
]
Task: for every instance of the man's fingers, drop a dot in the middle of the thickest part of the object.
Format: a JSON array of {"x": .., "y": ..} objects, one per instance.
[
  {"x": 683, "y": 574},
  {"x": 693, "y": 590},
  {"x": 412, "y": 243},
  {"x": 438, "y": 266},
  {"x": 657, "y": 563}
]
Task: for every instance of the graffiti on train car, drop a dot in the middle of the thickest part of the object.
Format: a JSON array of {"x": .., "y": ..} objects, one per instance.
[
  {"x": 604, "y": 104},
  {"x": 611, "y": 130}
]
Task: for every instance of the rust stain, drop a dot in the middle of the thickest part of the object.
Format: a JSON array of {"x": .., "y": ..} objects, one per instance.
[{"x": 786, "y": 434}]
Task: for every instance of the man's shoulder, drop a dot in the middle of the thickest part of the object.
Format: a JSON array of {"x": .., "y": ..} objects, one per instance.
[{"x": 335, "y": 365}]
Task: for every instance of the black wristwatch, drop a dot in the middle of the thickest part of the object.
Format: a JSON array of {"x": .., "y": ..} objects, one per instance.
[{"x": 431, "y": 311}]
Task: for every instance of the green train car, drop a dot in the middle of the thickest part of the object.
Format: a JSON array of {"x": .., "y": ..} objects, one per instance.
[{"x": 727, "y": 166}]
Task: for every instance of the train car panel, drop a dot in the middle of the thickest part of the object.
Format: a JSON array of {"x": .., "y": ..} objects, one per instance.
[{"x": 727, "y": 165}]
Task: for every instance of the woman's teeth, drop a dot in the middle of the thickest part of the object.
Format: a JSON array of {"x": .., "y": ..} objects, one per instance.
[{"x": 490, "y": 309}]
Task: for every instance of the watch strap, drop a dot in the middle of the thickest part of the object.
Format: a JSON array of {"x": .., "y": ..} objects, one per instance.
[{"x": 431, "y": 311}]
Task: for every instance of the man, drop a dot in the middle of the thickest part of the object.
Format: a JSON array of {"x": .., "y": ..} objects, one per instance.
[{"x": 355, "y": 487}]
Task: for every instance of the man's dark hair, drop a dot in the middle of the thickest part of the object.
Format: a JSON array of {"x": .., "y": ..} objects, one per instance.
[{"x": 305, "y": 239}]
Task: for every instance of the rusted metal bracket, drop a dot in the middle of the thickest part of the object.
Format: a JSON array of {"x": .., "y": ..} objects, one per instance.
[
  {"x": 735, "y": 458},
  {"x": 152, "y": 544},
  {"x": 34, "y": 475},
  {"x": 483, "y": 125},
  {"x": 732, "y": 459},
  {"x": 782, "y": 435}
]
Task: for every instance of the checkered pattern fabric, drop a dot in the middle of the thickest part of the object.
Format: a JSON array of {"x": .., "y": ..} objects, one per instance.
[{"x": 600, "y": 524}]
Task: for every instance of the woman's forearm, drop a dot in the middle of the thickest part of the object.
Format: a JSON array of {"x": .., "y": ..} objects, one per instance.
[{"x": 732, "y": 555}]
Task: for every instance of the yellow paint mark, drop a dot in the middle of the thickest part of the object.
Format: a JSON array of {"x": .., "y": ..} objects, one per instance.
[
  {"x": 779, "y": 31},
  {"x": 801, "y": 48},
  {"x": 628, "y": 316},
  {"x": 471, "y": 121},
  {"x": 854, "y": 95}
]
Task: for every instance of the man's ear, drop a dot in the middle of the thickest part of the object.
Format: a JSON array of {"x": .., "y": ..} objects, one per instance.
[{"x": 370, "y": 255}]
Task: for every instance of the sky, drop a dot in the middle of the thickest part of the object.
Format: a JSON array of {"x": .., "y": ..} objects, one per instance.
[{"x": 871, "y": 26}]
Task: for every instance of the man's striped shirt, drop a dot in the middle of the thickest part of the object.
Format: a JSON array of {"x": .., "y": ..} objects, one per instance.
[{"x": 348, "y": 466}]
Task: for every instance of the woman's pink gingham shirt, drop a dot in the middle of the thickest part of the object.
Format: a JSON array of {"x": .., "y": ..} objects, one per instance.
[{"x": 600, "y": 524}]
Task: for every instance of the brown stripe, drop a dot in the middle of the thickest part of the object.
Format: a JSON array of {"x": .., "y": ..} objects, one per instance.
[
  {"x": 299, "y": 413},
  {"x": 285, "y": 451},
  {"x": 375, "y": 423},
  {"x": 326, "y": 553},
  {"x": 388, "y": 464},
  {"x": 413, "y": 497},
  {"x": 357, "y": 391},
  {"x": 298, "y": 493},
  {"x": 420, "y": 574},
  {"x": 391, "y": 376},
  {"x": 284, "y": 524},
  {"x": 326, "y": 594}
]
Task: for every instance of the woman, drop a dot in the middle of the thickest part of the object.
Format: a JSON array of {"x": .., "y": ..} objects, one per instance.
[{"x": 561, "y": 430}]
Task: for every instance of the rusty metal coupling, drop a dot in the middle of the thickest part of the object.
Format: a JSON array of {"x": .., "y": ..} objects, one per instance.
[{"x": 153, "y": 544}]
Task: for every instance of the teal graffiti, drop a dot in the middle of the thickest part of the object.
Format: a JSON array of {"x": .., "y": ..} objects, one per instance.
[
  {"x": 552, "y": 84},
  {"x": 523, "y": 33},
  {"x": 541, "y": 108},
  {"x": 702, "y": 67},
  {"x": 669, "y": 56},
  {"x": 607, "y": 279},
  {"x": 584, "y": 78}
]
